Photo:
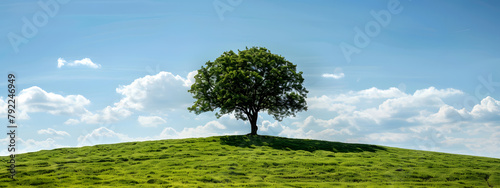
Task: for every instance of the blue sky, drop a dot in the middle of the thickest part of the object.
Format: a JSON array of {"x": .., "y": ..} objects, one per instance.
[{"x": 422, "y": 75}]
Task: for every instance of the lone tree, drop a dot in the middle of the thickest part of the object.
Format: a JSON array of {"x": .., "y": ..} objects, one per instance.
[{"x": 248, "y": 82}]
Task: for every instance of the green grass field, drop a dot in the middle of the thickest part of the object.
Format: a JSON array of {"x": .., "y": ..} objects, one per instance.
[{"x": 248, "y": 161}]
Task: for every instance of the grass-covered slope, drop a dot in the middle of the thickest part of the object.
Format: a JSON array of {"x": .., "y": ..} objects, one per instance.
[{"x": 248, "y": 161}]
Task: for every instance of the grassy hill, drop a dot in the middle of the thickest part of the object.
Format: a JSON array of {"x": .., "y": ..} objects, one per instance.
[{"x": 248, "y": 161}]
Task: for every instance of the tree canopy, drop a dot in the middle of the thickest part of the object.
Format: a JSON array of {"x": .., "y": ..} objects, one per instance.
[{"x": 248, "y": 82}]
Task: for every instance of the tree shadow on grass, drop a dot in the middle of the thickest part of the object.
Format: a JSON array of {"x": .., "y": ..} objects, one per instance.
[{"x": 251, "y": 141}]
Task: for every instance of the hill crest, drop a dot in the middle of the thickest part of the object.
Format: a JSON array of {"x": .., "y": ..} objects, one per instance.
[{"x": 243, "y": 160}]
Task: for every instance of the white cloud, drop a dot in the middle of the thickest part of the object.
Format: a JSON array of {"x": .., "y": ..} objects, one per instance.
[
  {"x": 361, "y": 108},
  {"x": 150, "y": 121},
  {"x": 315, "y": 128},
  {"x": 267, "y": 126},
  {"x": 156, "y": 93},
  {"x": 110, "y": 114},
  {"x": 334, "y": 76},
  {"x": 419, "y": 120},
  {"x": 433, "y": 92},
  {"x": 410, "y": 105},
  {"x": 84, "y": 62},
  {"x": 325, "y": 102},
  {"x": 321, "y": 134},
  {"x": 488, "y": 109},
  {"x": 35, "y": 99},
  {"x": 375, "y": 93},
  {"x": 446, "y": 114},
  {"x": 51, "y": 131},
  {"x": 422, "y": 120},
  {"x": 328, "y": 133},
  {"x": 211, "y": 128},
  {"x": 30, "y": 145},
  {"x": 338, "y": 74},
  {"x": 33, "y": 145},
  {"x": 20, "y": 115},
  {"x": 190, "y": 79},
  {"x": 162, "y": 91},
  {"x": 60, "y": 62},
  {"x": 3, "y": 106},
  {"x": 169, "y": 132},
  {"x": 345, "y": 100},
  {"x": 388, "y": 137},
  {"x": 102, "y": 135},
  {"x": 314, "y": 122},
  {"x": 485, "y": 145},
  {"x": 293, "y": 133},
  {"x": 71, "y": 122}
]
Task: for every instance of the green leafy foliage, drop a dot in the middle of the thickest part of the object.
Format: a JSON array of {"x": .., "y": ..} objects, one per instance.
[
  {"x": 248, "y": 82},
  {"x": 248, "y": 161}
]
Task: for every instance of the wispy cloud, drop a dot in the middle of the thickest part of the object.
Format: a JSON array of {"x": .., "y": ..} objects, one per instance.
[
  {"x": 53, "y": 132},
  {"x": 84, "y": 62},
  {"x": 60, "y": 62},
  {"x": 150, "y": 121},
  {"x": 337, "y": 74},
  {"x": 334, "y": 76}
]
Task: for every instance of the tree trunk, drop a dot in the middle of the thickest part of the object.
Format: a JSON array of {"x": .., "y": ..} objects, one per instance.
[{"x": 253, "y": 123}]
